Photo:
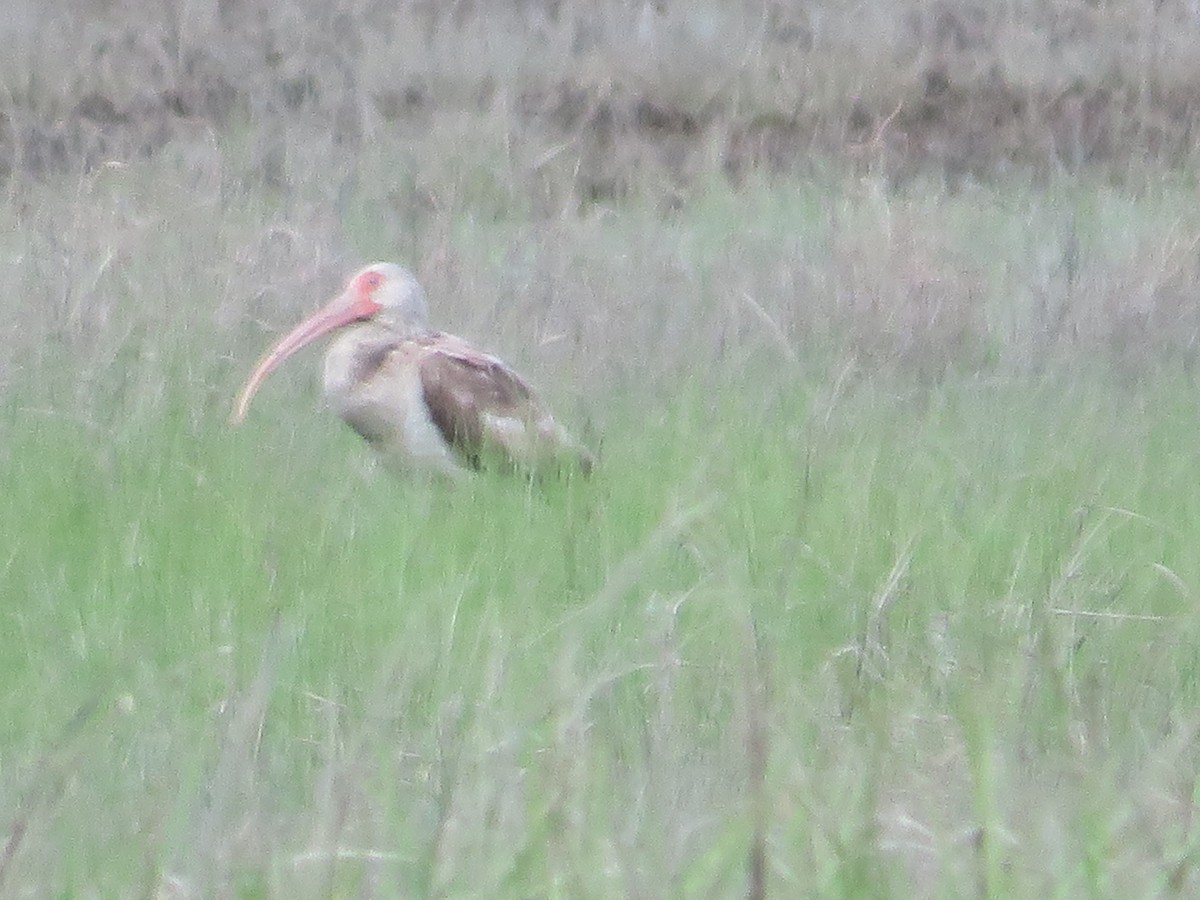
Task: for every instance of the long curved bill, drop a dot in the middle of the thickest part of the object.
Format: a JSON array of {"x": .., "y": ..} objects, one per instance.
[{"x": 347, "y": 307}]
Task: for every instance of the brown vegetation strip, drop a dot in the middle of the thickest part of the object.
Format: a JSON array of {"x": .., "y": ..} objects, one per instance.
[{"x": 958, "y": 86}]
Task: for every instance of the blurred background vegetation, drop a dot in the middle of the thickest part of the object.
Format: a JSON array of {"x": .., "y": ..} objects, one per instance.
[{"x": 601, "y": 98}]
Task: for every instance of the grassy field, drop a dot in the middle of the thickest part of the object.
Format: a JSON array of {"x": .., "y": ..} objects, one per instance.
[{"x": 885, "y": 585}]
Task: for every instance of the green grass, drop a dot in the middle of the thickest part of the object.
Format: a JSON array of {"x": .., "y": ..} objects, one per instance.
[
  {"x": 230, "y": 649},
  {"x": 886, "y": 585},
  {"x": 944, "y": 574}
]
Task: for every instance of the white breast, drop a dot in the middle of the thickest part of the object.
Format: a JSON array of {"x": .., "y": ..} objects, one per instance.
[{"x": 388, "y": 406}]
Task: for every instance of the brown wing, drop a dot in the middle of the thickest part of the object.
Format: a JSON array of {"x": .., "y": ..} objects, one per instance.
[{"x": 477, "y": 402}]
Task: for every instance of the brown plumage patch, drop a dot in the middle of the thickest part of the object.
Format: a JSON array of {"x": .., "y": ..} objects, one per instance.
[
  {"x": 371, "y": 356},
  {"x": 462, "y": 386}
]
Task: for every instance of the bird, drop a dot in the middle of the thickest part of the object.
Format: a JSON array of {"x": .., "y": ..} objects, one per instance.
[{"x": 425, "y": 401}]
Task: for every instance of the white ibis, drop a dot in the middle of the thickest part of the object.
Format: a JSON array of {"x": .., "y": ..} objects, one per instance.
[{"x": 422, "y": 399}]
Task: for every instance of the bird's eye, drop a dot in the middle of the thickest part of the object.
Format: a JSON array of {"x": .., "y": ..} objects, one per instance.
[{"x": 370, "y": 281}]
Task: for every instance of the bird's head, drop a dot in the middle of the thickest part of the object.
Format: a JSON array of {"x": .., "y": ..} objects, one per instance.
[
  {"x": 382, "y": 291},
  {"x": 391, "y": 293}
]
